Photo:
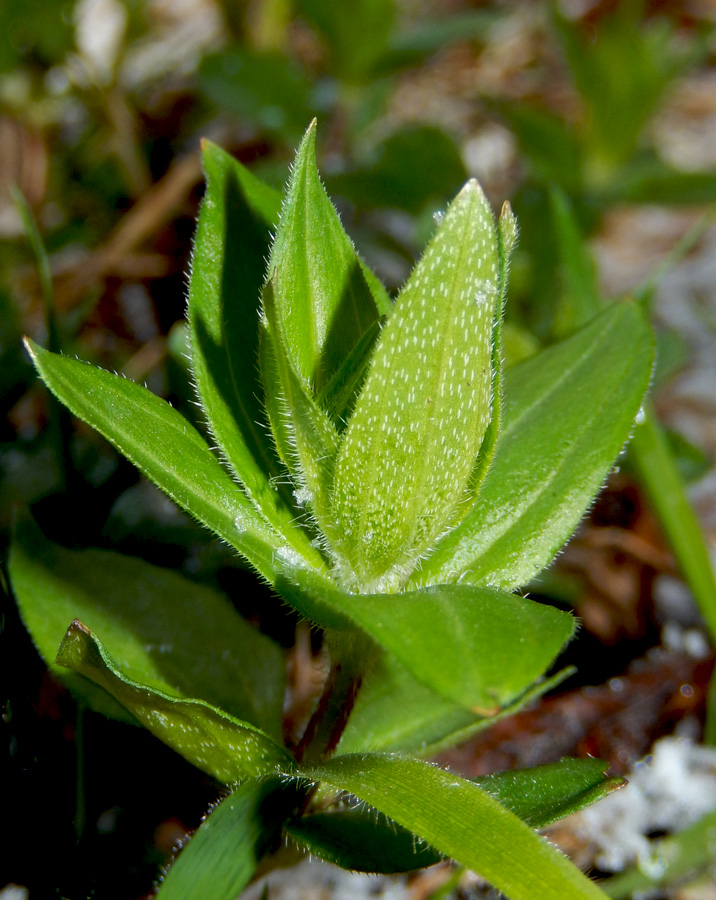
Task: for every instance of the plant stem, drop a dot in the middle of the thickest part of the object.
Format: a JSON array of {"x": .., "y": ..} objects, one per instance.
[{"x": 350, "y": 654}]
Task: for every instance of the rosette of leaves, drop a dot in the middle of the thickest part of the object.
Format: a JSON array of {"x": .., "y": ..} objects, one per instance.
[{"x": 405, "y": 488}]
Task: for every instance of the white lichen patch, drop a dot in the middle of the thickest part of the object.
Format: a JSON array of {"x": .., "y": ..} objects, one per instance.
[
  {"x": 668, "y": 791},
  {"x": 411, "y": 443}
]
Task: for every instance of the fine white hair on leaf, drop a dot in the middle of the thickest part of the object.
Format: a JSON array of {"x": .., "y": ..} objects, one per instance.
[{"x": 412, "y": 440}]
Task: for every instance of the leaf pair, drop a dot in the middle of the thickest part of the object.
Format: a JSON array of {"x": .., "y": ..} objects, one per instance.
[
  {"x": 393, "y": 482},
  {"x": 476, "y": 824},
  {"x": 381, "y": 493}
]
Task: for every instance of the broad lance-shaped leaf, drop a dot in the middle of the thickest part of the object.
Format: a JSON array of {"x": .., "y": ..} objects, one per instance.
[
  {"x": 501, "y": 642},
  {"x": 227, "y": 272},
  {"x": 461, "y": 821},
  {"x": 163, "y": 630},
  {"x": 312, "y": 437},
  {"x": 364, "y": 840},
  {"x": 166, "y": 448},
  {"x": 212, "y": 740},
  {"x": 568, "y": 412},
  {"x": 413, "y": 438},
  {"x": 222, "y": 856},
  {"x": 322, "y": 296}
]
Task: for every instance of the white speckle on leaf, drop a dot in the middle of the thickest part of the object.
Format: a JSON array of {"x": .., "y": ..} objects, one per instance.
[
  {"x": 303, "y": 496},
  {"x": 289, "y": 557},
  {"x": 396, "y": 486}
]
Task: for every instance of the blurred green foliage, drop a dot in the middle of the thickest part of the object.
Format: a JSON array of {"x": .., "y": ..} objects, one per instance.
[{"x": 34, "y": 31}]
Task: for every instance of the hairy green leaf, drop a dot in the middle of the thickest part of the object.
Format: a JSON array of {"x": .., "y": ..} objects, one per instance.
[
  {"x": 462, "y": 821},
  {"x": 394, "y": 711},
  {"x": 222, "y": 856},
  {"x": 365, "y": 840},
  {"x": 165, "y": 631},
  {"x": 501, "y": 642},
  {"x": 165, "y": 447},
  {"x": 543, "y": 794},
  {"x": 312, "y": 437},
  {"x": 322, "y": 297},
  {"x": 568, "y": 412},
  {"x": 227, "y": 273},
  {"x": 413, "y": 438},
  {"x": 210, "y": 739}
]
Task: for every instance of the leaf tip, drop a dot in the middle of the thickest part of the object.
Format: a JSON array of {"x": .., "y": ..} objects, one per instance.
[
  {"x": 508, "y": 228},
  {"x": 472, "y": 186},
  {"x": 616, "y": 783},
  {"x": 76, "y": 625},
  {"x": 75, "y": 632},
  {"x": 307, "y": 148},
  {"x": 34, "y": 351}
]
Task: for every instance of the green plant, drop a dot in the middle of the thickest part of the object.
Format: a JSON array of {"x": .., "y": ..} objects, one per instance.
[{"x": 406, "y": 489}]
